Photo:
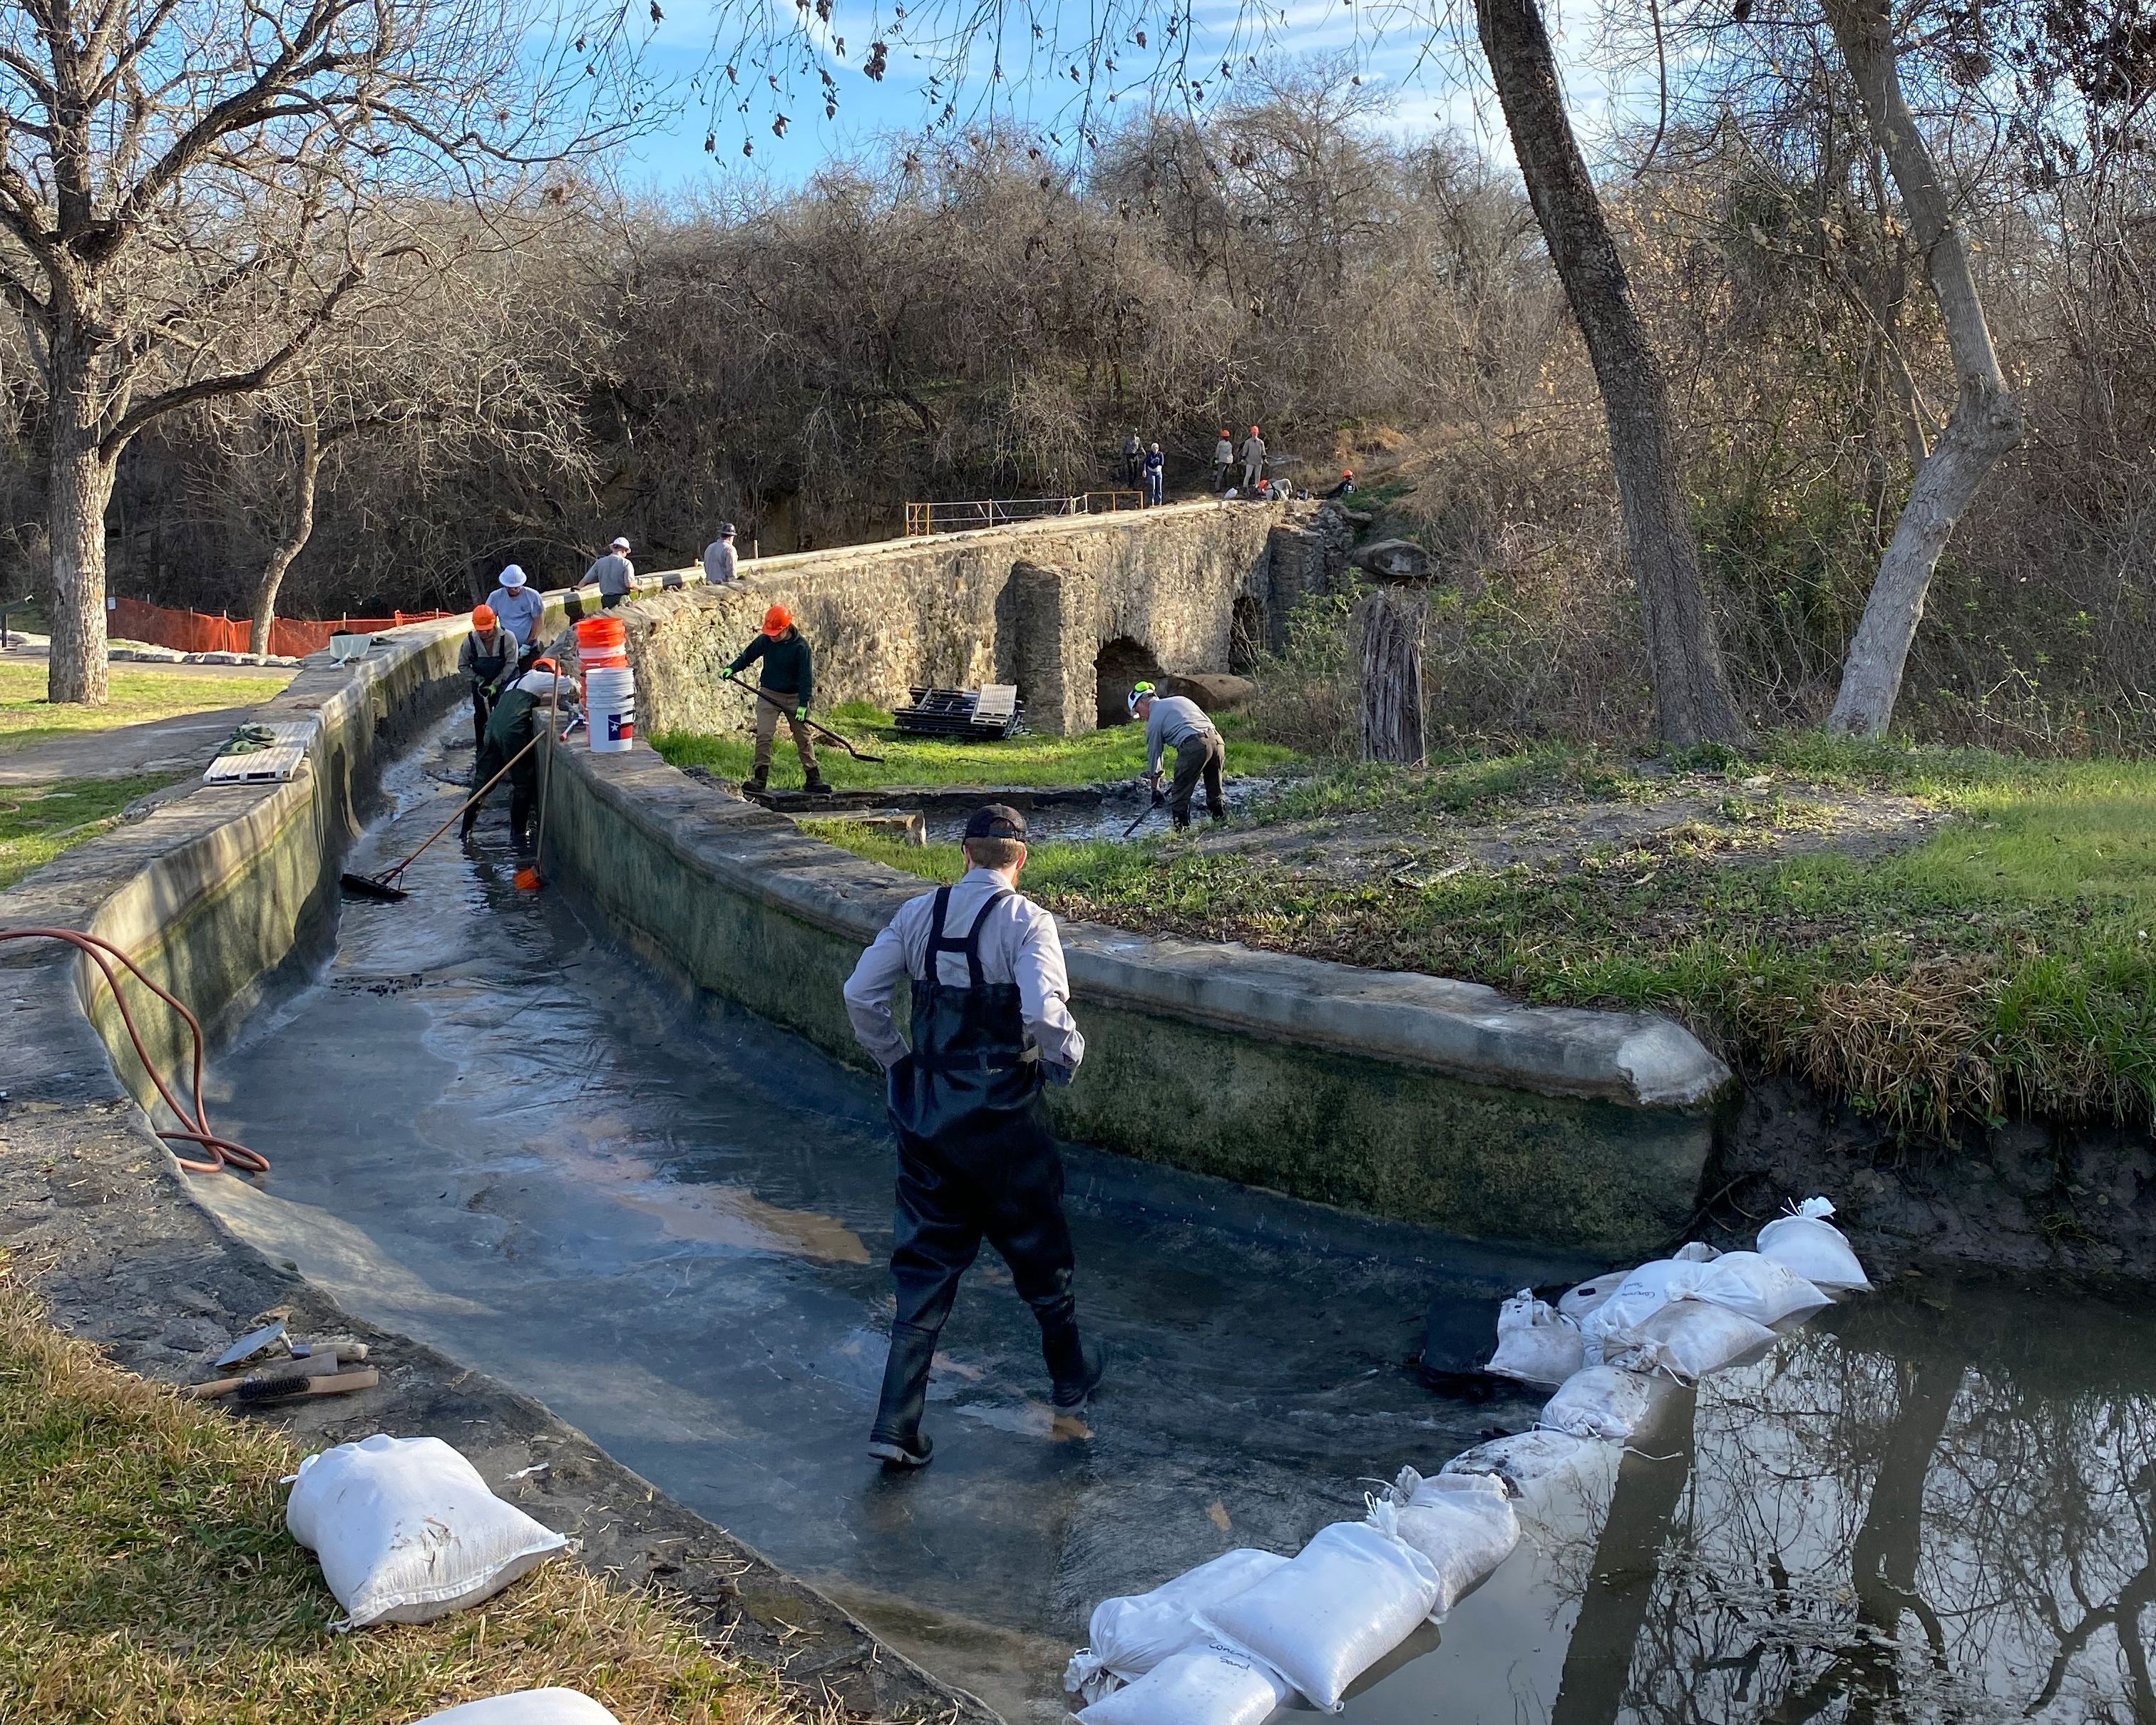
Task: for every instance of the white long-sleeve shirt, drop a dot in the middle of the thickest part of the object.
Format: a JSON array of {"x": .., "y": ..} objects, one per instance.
[{"x": 1018, "y": 943}]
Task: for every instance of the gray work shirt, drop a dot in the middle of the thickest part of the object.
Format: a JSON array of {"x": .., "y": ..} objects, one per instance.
[
  {"x": 1018, "y": 943},
  {"x": 613, "y": 573},
  {"x": 518, "y": 611},
  {"x": 719, "y": 562},
  {"x": 1174, "y": 720}
]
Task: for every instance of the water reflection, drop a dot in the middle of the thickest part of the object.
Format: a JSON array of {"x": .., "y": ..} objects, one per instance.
[{"x": 1930, "y": 1506}]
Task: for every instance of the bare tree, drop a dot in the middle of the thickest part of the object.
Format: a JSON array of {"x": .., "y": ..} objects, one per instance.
[
  {"x": 191, "y": 190},
  {"x": 1986, "y": 421},
  {"x": 1691, "y": 693}
]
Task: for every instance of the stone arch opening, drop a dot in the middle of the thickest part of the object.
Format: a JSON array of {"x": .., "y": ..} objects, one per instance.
[
  {"x": 1246, "y": 635},
  {"x": 1117, "y": 667}
]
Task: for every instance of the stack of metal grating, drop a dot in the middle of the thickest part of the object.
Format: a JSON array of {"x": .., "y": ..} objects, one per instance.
[{"x": 993, "y": 709}]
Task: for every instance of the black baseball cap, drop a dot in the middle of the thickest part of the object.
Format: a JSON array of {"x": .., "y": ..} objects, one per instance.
[{"x": 996, "y": 821}]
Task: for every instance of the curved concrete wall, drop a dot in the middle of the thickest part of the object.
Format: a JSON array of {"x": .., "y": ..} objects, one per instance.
[{"x": 1410, "y": 1096}]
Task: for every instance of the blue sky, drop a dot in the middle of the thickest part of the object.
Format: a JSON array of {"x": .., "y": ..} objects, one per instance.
[{"x": 1428, "y": 84}]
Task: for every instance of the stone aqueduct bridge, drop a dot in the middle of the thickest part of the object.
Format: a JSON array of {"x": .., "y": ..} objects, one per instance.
[{"x": 1072, "y": 611}]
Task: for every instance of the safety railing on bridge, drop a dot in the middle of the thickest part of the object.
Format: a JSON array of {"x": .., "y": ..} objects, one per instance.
[{"x": 922, "y": 519}]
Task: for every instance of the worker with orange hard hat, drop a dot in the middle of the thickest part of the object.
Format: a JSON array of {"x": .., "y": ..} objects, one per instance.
[
  {"x": 1224, "y": 460},
  {"x": 1254, "y": 460},
  {"x": 517, "y": 715},
  {"x": 488, "y": 659},
  {"x": 787, "y": 681}
]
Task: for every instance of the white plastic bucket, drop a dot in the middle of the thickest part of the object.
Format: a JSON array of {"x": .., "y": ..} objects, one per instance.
[{"x": 610, "y": 709}]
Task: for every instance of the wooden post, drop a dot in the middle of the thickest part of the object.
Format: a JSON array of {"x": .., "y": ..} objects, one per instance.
[{"x": 1392, "y": 624}]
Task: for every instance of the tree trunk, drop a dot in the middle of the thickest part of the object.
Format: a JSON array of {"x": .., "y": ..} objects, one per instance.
[
  {"x": 1392, "y": 624},
  {"x": 1684, "y": 658},
  {"x": 79, "y": 485},
  {"x": 303, "y": 525},
  {"x": 1986, "y": 421}
]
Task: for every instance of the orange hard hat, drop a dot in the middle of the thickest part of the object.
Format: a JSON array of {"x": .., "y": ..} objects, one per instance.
[
  {"x": 1346, "y": 473},
  {"x": 777, "y": 620},
  {"x": 1224, "y": 431},
  {"x": 547, "y": 665},
  {"x": 482, "y": 617},
  {"x": 1254, "y": 431}
]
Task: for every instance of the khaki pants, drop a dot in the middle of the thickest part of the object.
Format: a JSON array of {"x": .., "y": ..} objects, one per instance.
[{"x": 767, "y": 728}]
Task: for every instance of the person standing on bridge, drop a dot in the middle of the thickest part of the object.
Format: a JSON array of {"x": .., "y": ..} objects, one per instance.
[
  {"x": 719, "y": 563},
  {"x": 519, "y": 609},
  {"x": 1172, "y": 722},
  {"x": 1156, "y": 475},
  {"x": 977, "y": 1157},
  {"x": 613, "y": 573},
  {"x": 488, "y": 659},
  {"x": 787, "y": 681},
  {"x": 1133, "y": 461},
  {"x": 1224, "y": 460},
  {"x": 1254, "y": 460}
]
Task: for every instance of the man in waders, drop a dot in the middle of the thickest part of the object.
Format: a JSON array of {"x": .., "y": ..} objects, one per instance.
[
  {"x": 488, "y": 659},
  {"x": 787, "y": 679},
  {"x": 507, "y": 733},
  {"x": 976, "y": 1158}
]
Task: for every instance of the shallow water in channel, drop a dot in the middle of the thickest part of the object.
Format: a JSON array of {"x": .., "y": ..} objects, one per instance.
[{"x": 494, "y": 1129}]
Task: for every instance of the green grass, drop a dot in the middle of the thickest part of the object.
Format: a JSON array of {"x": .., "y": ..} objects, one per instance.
[
  {"x": 38, "y": 822},
  {"x": 2008, "y": 961},
  {"x": 26, "y": 718},
  {"x": 1118, "y": 752},
  {"x": 146, "y": 1579}
]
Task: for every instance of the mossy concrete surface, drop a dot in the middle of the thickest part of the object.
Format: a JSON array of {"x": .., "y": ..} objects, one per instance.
[
  {"x": 210, "y": 892},
  {"x": 1406, "y": 1096}
]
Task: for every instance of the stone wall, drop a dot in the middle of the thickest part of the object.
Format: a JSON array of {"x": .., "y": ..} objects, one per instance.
[{"x": 1030, "y": 605}]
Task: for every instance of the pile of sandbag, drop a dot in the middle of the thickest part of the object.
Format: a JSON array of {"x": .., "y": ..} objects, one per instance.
[{"x": 1228, "y": 1642}]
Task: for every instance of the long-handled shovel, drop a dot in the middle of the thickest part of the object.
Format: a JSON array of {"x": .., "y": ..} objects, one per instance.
[
  {"x": 527, "y": 880},
  {"x": 383, "y": 886},
  {"x": 827, "y": 736},
  {"x": 1145, "y": 814}
]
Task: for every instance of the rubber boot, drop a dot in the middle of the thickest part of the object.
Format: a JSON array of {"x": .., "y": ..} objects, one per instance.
[
  {"x": 897, "y": 1437},
  {"x": 758, "y": 780},
  {"x": 815, "y": 785},
  {"x": 1075, "y": 1366}
]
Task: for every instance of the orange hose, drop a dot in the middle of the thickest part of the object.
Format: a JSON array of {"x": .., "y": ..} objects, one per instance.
[{"x": 194, "y": 1126}]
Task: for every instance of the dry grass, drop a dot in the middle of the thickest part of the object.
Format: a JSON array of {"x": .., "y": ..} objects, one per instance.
[{"x": 145, "y": 1576}]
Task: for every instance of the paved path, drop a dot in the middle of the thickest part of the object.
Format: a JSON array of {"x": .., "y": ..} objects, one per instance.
[{"x": 160, "y": 746}]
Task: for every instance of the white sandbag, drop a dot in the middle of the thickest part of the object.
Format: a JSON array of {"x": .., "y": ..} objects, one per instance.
[
  {"x": 1696, "y": 1251},
  {"x": 527, "y": 1706},
  {"x": 406, "y": 1530},
  {"x": 1642, "y": 1294},
  {"x": 1600, "y": 1402},
  {"x": 1345, "y": 1601},
  {"x": 1575, "y": 1303},
  {"x": 1135, "y": 1632},
  {"x": 1758, "y": 1287},
  {"x": 1462, "y": 1522},
  {"x": 1687, "y": 1341},
  {"x": 1814, "y": 1247},
  {"x": 1534, "y": 1344},
  {"x": 1201, "y": 1686},
  {"x": 1525, "y": 1461}
]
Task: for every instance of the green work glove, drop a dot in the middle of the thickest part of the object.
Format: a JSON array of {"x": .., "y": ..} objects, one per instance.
[
  {"x": 728, "y": 675},
  {"x": 801, "y": 711}
]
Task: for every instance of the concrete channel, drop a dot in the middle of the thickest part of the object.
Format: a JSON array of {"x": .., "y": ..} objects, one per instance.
[{"x": 560, "y": 1171}]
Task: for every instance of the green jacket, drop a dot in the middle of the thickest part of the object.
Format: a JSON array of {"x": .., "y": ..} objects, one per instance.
[
  {"x": 507, "y": 730},
  {"x": 788, "y": 668}
]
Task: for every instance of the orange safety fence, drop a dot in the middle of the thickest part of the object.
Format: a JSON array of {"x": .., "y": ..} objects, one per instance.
[{"x": 192, "y": 632}]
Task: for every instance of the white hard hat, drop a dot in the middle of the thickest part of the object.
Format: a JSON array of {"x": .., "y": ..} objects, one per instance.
[
  {"x": 618, "y": 544},
  {"x": 513, "y": 577}
]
